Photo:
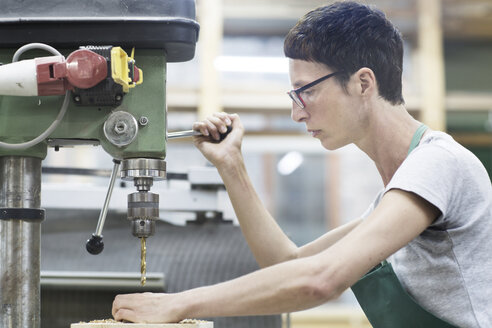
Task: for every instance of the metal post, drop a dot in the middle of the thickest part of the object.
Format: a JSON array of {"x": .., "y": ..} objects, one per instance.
[{"x": 20, "y": 241}]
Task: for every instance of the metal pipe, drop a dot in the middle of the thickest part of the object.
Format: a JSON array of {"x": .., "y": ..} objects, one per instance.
[
  {"x": 20, "y": 241},
  {"x": 183, "y": 134},
  {"x": 95, "y": 244},
  {"x": 128, "y": 282},
  {"x": 104, "y": 210},
  {"x": 191, "y": 133}
]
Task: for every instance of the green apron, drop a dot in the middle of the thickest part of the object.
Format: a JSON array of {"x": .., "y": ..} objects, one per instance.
[{"x": 384, "y": 300}]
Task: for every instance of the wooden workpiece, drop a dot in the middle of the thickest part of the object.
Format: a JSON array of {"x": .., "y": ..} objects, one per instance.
[{"x": 197, "y": 324}]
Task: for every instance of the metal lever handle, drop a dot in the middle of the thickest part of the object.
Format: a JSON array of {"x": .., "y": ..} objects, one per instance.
[
  {"x": 95, "y": 245},
  {"x": 190, "y": 133},
  {"x": 183, "y": 134}
]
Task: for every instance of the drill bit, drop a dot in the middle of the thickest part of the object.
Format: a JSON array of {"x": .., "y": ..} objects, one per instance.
[{"x": 143, "y": 263}]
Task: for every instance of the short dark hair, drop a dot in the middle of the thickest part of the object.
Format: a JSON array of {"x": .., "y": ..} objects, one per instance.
[{"x": 346, "y": 36}]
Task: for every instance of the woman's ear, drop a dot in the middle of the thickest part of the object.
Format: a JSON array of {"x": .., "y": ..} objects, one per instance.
[{"x": 366, "y": 79}]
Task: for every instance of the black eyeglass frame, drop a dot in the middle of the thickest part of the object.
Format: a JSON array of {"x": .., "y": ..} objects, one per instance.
[{"x": 295, "y": 94}]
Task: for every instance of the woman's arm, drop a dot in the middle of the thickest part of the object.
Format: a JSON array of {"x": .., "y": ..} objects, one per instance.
[
  {"x": 266, "y": 239},
  {"x": 297, "y": 284}
]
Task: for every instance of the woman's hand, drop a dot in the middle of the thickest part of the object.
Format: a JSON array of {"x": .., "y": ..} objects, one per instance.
[
  {"x": 146, "y": 308},
  {"x": 227, "y": 151}
]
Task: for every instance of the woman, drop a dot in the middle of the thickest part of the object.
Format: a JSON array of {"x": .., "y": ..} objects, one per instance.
[{"x": 432, "y": 220}]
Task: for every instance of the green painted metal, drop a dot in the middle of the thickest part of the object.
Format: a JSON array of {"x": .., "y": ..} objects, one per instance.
[
  {"x": 468, "y": 69},
  {"x": 24, "y": 118},
  {"x": 38, "y": 151},
  {"x": 467, "y": 65},
  {"x": 469, "y": 121},
  {"x": 484, "y": 153}
]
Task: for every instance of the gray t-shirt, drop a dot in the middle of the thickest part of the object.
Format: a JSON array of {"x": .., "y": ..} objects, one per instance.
[{"x": 447, "y": 269}]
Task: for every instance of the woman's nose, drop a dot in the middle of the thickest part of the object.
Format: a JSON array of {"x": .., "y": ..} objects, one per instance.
[{"x": 297, "y": 114}]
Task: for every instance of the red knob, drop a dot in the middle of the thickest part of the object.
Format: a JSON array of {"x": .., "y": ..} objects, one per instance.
[{"x": 85, "y": 68}]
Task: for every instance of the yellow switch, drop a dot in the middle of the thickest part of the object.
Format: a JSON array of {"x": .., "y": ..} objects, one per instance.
[{"x": 123, "y": 67}]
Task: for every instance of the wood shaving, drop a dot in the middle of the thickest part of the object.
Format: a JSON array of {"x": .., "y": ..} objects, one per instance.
[
  {"x": 185, "y": 321},
  {"x": 192, "y": 321},
  {"x": 103, "y": 321}
]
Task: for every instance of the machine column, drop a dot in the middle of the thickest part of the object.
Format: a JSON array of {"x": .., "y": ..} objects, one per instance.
[{"x": 20, "y": 241}]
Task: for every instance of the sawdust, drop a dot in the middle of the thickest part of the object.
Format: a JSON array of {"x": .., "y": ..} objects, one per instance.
[
  {"x": 185, "y": 321},
  {"x": 192, "y": 321}
]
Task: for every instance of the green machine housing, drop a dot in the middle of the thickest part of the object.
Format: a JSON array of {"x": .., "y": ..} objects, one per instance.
[{"x": 160, "y": 31}]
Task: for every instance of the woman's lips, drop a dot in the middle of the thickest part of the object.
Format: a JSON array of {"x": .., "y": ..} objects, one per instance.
[{"x": 314, "y": 133}]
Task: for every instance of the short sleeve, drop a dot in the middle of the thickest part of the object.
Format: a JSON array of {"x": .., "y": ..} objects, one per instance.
[
  {"x": 373, "y": 205},
  {"x": 431, "y": 172}
]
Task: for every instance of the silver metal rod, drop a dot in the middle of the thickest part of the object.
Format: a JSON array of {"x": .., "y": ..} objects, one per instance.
[
  {"x": 20, "y": 243},
  {"x": 183, "y": 134},
  {"x": 104, "y": 210},
  {"x": 97, "y": 280}
]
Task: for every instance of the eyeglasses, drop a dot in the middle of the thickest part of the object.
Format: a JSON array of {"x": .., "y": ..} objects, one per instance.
[{"x": 296, "y": 93}]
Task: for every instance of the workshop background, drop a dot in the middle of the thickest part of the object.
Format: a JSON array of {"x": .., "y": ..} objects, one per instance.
[{"x": 239, "y": 67}]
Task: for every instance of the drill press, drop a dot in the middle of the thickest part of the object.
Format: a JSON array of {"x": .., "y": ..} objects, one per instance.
[{"x": 130, "y": 125}]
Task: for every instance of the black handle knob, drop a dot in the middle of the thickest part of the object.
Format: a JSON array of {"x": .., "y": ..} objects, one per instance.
[
  {"x": 224, "y": 135},
  {"x": 95, "y": 245}
]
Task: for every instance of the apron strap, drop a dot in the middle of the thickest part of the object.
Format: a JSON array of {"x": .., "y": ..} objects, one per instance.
[{"x": 416, "y": 138}]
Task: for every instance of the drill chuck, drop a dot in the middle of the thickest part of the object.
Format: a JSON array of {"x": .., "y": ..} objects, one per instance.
[
  {"x": 143, "y": 210},
  {"x": 143, "y": 228}
]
